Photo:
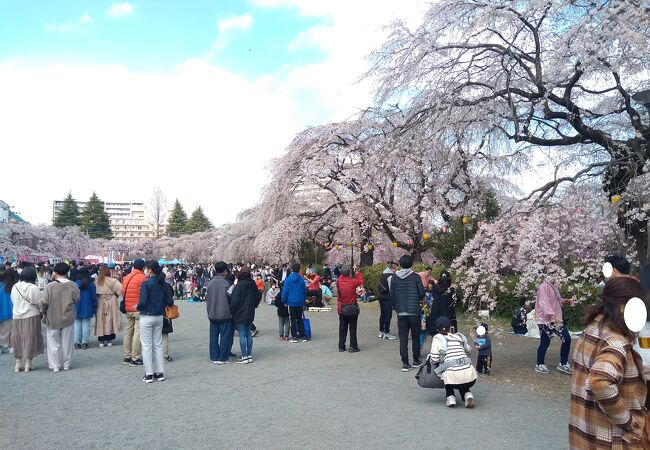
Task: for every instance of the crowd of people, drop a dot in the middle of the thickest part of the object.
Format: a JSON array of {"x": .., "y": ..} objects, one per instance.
[{"x": 609, "y": 395}]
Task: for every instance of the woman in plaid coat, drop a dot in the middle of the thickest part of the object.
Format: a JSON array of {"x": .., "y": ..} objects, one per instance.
[{"x": 608, "y": 389}]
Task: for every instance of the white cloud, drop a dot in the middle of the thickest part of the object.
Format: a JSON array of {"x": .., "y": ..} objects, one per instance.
[
  {"x": 70, "y": 25},
  {"x": 235, "y": 23},
  {"x": 120, "y": 10}
]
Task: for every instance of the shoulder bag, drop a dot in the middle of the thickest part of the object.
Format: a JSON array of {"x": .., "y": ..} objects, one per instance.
[
  {"x": 123, "y": 301},
  {"x": 426, "y": 376}
]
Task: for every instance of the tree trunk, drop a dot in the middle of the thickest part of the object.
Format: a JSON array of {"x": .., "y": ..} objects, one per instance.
[
  {"x": 367, "y": 258},
  {"x": 417, "y": 255},
  {"x": 640, "y": 235}
]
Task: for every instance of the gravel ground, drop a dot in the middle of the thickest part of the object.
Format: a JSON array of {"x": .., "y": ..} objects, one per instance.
[{"x": 305, "y": 395}]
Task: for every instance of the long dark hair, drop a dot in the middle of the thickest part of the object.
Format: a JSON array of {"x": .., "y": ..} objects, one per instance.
[
  {"x": 11, "y": 276},
  {"x": 83, "y": 276},
  {"x": 157, "y": 270},
  {"x": 615, "y": 295}
]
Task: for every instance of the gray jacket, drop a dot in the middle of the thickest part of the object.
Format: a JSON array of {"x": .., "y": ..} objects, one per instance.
[{"x": 217, "y": 299}]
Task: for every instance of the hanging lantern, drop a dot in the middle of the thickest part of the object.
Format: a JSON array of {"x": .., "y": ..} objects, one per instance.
[
  {"x": 338, "y": 246},
  {"x": 350, "y": 244},
  {"x": 425, "y": 236},
  {"x": 370, "y": 247},
  {"x": 616, "y": 198},
  {"x": 395, "y": 244},
  {"x": 409, "y": 242},
  {"x": 466, "y": 220},
  {"x": 444, "y": 230}
]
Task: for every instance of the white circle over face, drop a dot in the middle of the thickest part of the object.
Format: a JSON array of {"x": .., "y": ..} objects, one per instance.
[
  {"x": 635, "y": 314},
  {"x": 480, "y": 330},
  {"x": 608, "y": 270}
]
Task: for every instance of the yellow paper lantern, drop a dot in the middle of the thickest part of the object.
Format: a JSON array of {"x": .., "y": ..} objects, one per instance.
[
  {"x": 616, "y": 198},
  {"x": 394, "y": 244},
  {"x": 425, "y": 236},
  {"x": 465, "y": 220},
  {"x": 370, "y": 247}
]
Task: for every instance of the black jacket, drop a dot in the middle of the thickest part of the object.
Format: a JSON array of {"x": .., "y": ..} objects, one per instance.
[
  {"x": 444, "y": 300},
  {"x": 283, "y": 310},
  {"x": 244, "y": 299},
  {"x": 407, "y": 291},
  {"x": 382, "y": 288}
]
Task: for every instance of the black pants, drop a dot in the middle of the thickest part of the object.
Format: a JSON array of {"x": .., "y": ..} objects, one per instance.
[
  {"x": 297, "y": 325},
  {"x": 346, "y": 322},
  {"x": 385, "y": 315},
  {"x": 520, "y": 329},
  {"x": 404, "y": 325},
  {"x": 462, "y": 389},
  {"x": 484, "y": 364}
]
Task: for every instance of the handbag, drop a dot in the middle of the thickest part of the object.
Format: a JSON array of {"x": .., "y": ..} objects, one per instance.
[
  {"x": 171, "y": 312},
  {"x": 350, "y": 310},
  {"x": 426, "y": 376}
]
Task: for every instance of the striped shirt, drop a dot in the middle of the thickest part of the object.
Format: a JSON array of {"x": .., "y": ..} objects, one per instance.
[
  {"x": 457, "y": 347},
  {"x": 608, "y": 391}
]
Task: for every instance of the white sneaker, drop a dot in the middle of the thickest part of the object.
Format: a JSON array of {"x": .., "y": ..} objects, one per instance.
[
  {"x": 389, "y": 336},
  {"x": 11, "y": 350},
  {"x": 110, "y": 344},
  {"x": 451, "y": 401},
  {"x": 381, "y": 335},
  {"x": 541, "y": 368},
  {"x": 101, "y": 345},
  {"x": 564, "y": 368},
  {"x": 469, "y": 400}
]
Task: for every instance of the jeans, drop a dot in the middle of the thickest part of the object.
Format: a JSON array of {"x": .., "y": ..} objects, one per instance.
[
  {"x": 484, "y": 364},
  {"x": 81, "y": 331},
  {"x": 545, "y": 341},
  {"x": 221, "y": 335},
  {"x": 404, "y": 325},
  {"x": 151, "y": 339},
  {"x": 462, "y": 389},
  {"x": 385, "y": 315},
  {"x": 346, "y": 322},
  {"x": 297, "y": 325},
  {"x": 423, "y": 337},
  {"x": 132, "y": 347},
  {"x": 283, "y": 326},
  {"x": 245, "y": 338}
]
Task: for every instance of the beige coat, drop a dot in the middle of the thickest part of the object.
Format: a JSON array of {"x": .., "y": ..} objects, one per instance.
[
  {"x": 57, "y": 303},
  {"x": 108, "y": 318}
]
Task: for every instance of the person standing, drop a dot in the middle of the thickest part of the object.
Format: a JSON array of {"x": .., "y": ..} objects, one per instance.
[
  {"x": 294, "y": 294},
  {"x": 608, "y": 389},
  {"x": 548, "y": 316},
  {"x": 218, "y": 308},
  {"x": 386, "y": 303},
  {"x": 57, "y": 303},
  {"x": 108, "y": 319},
  {"x": 131, "y": 287},
  {"x": 26, "y": 332},
  {"x": 408, "y": 293},
  {"x": 154, "y": 296},
  {"x": 9, "y": 278},
  {"x": 86, "y": 308},
  {"x": 443, "y": 304},
  {"x": 244, "y": 299},
  {"x": 347, "y": 287}
]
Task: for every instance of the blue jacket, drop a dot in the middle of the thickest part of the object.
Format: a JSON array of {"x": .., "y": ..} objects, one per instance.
[
  {"x": 87, "y": 304},
  {"x": 154, "y": 298},
  {"x": 6, "y": 305},
  {"x": 294, "y": 291}
]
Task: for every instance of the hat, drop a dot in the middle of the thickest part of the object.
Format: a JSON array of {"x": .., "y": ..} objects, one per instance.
[
  {"x": 443, "y": 322},
  {"x": 111, "y": 265},
  {"x": 138, "y": 264}
]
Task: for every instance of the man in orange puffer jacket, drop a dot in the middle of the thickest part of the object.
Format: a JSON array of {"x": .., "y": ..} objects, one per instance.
[{"x": 131, "y": 292}]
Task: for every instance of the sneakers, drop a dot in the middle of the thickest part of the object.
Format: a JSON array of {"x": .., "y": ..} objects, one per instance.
[
  {"x": 136, "y": 362},
  {"x": 220, "y": 363},
  {"x": 158, "y": 377},
  {"x": 77, "y": 346},
  {"x": 541, "y": 368},
  {"x": 169, "y": 359},
  {"x": 305, "y": 339},
  {"x": 126, "y": 361},
  {"x": 242, "y": 360},
  {"x": 469, "y": 400},
  {"x": 564, "y": 368},
  {"x": 405, "y": 367},
  {"x": 342, "y": 350},
  {"x": 66, "y": 368},
  {"x": 55, "y": 370},
  {"x": 85, "y": 346},
  {"x": 101, "y": 345},
  {"x": 417, "y": 363},
  {"x": 11, "y": 350},
  {"x": 109, "y": 344},
  {"x": 294, "y": 341},
  {"x": 147, "y": 379},
  {"x": 381, "y": 335},
  {"x": 250, "y": 360},
  {"x": 389, "y": 336},
  {"x": 451, "y": 401},
  {"x": 354, "y": 350}
]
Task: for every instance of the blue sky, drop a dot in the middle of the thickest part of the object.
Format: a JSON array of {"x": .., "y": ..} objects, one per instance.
[
  {"x": 156, "y": 35},
  {"x": 194, "y": 97}
]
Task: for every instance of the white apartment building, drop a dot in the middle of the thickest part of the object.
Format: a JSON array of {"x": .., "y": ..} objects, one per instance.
[{"x": 128, "y": 221}]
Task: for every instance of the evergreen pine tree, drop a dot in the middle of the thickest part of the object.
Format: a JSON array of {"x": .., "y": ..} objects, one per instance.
[
  {"x": 177, "y": 223},
  {"x": 198, "y": 222},
  {"x": 69, "y": 214},
  {"x": 94, "y": 220}
]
